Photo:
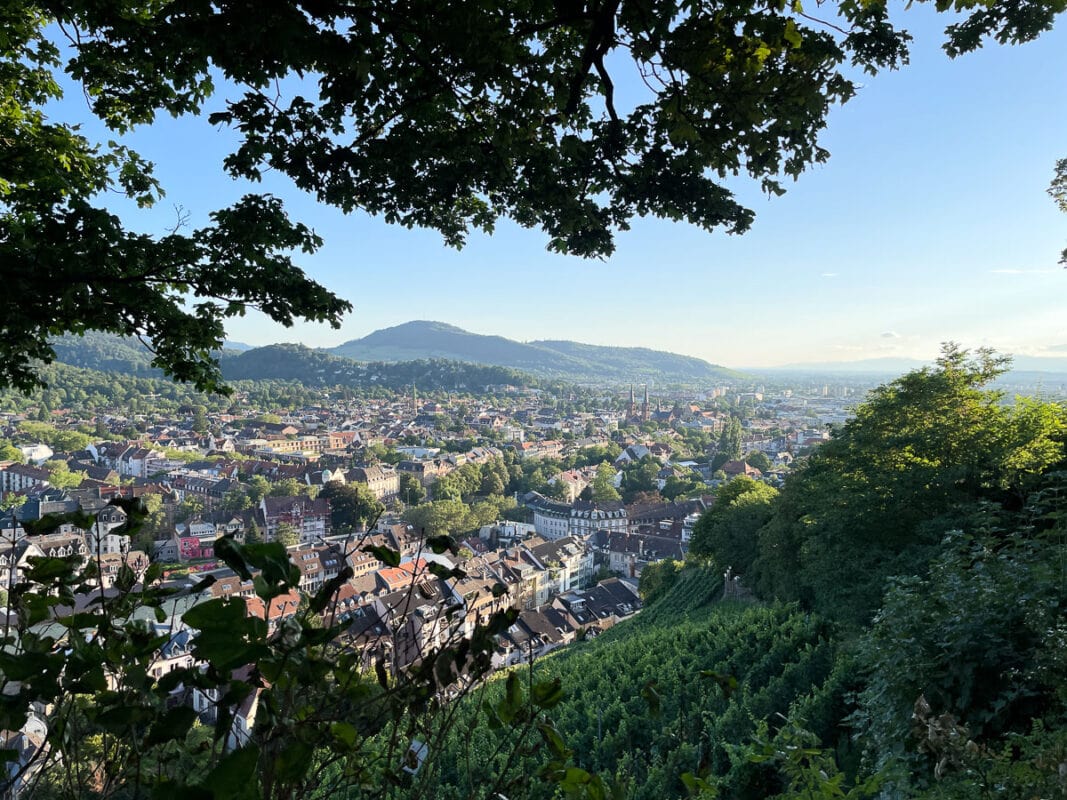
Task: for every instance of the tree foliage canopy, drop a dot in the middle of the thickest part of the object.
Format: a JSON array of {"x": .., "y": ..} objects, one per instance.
[
  {"x": 916, "y": 459},
  {"x": 728, "y": 530},
  {"x": 352, "y": 505},
  {"x": 441, "y": 116}
]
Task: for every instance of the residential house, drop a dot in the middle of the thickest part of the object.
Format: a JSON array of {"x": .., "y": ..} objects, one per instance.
[
  {"x": 586, "y": 517},
  {"x": 22, "y": 477},
  {"x": 569, "y": 563},
  {"x": 111, "y": 564},
  {"x": 382, "y": 480},
  {"x": 310, "y": 518},
  {"x": 735, "y": 468}
]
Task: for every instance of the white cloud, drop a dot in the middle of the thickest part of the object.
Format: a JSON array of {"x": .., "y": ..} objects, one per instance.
[
  {"x": 890, "y": 335},
  {"x": 829, "y": 275}
]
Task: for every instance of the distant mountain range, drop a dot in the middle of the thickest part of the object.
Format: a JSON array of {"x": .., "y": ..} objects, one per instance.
[
  {"x": 550, "y": 359},
  {"x": 873, "y": 366},
  {"x": 447, "y": 355},
  {"x": 1026, "y": 371},
  {"x": 318, "y": 368},
  {"x": 426, "y": 343},
  {"x": 107, "y": 352},
  {"x": 1021, "y": 366}
]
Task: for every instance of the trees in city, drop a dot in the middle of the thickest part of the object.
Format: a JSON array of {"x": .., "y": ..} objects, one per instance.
[
  {"x": 60, "y": 476},
  {"x": 603, "y": 487},
  {"x": 353, "y": 506},
  {"x": 412, "y": 491},
  {"x": 759, "y": 460},
  {"x": 920, "y": 456},
  {"x": 729, "y": 443}
]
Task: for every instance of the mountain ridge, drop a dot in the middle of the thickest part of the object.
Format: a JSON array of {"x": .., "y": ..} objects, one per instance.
[
  {"x": 550, "y": 358},
  {"x": 109, "y": 353}
]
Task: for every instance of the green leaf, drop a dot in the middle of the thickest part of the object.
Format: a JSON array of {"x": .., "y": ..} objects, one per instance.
[
  {"x": 443, "y": 572},
  {"x": 153, "y": 573},
  {"x": 46, "y": 569},
  {"x": 293, "y": 761},
  {"x": 440, "y": 544},
  {"x": 330, "y": 589},
  {"x": 492, "y": 718},
  {"x": 207, "y": 582},
  {"x": 231, "y": 553},
  {"x": 791, "y": 34},
  {"x": 388, "y": 556},
  {"x": 554, "y": 741},
  {"x": 235, "y": 775},
  {"x": 174, "y": 724},
  {"x": 513, "y": 691},
  {"x": 126, "y": 578},
  {"x": 547, "y": 694},
  {"x": 344, "y": 733},
  {"x": 216, "y": 614}
]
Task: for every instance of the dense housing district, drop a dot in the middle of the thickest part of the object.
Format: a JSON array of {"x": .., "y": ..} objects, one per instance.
[{"x": 555, "y": 504}]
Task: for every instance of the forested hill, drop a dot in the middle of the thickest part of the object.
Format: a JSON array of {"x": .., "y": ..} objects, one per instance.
[
  {"x": 105, "y": 352},
  {"x": 317, "y": 368},
  {"x": 293, "y": 362},
  {"x": 429, "y": 353},
  {"x": 556, "y": 359}
]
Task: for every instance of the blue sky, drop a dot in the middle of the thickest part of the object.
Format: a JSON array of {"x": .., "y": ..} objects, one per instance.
[{"x": 930, "y": 222}]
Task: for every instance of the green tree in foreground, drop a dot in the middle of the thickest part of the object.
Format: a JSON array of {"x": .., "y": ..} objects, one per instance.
[
  {"x": 913, "y": 462},
  {"x": 728, "y": 531},
  {"x": 329, "y": 723}
]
